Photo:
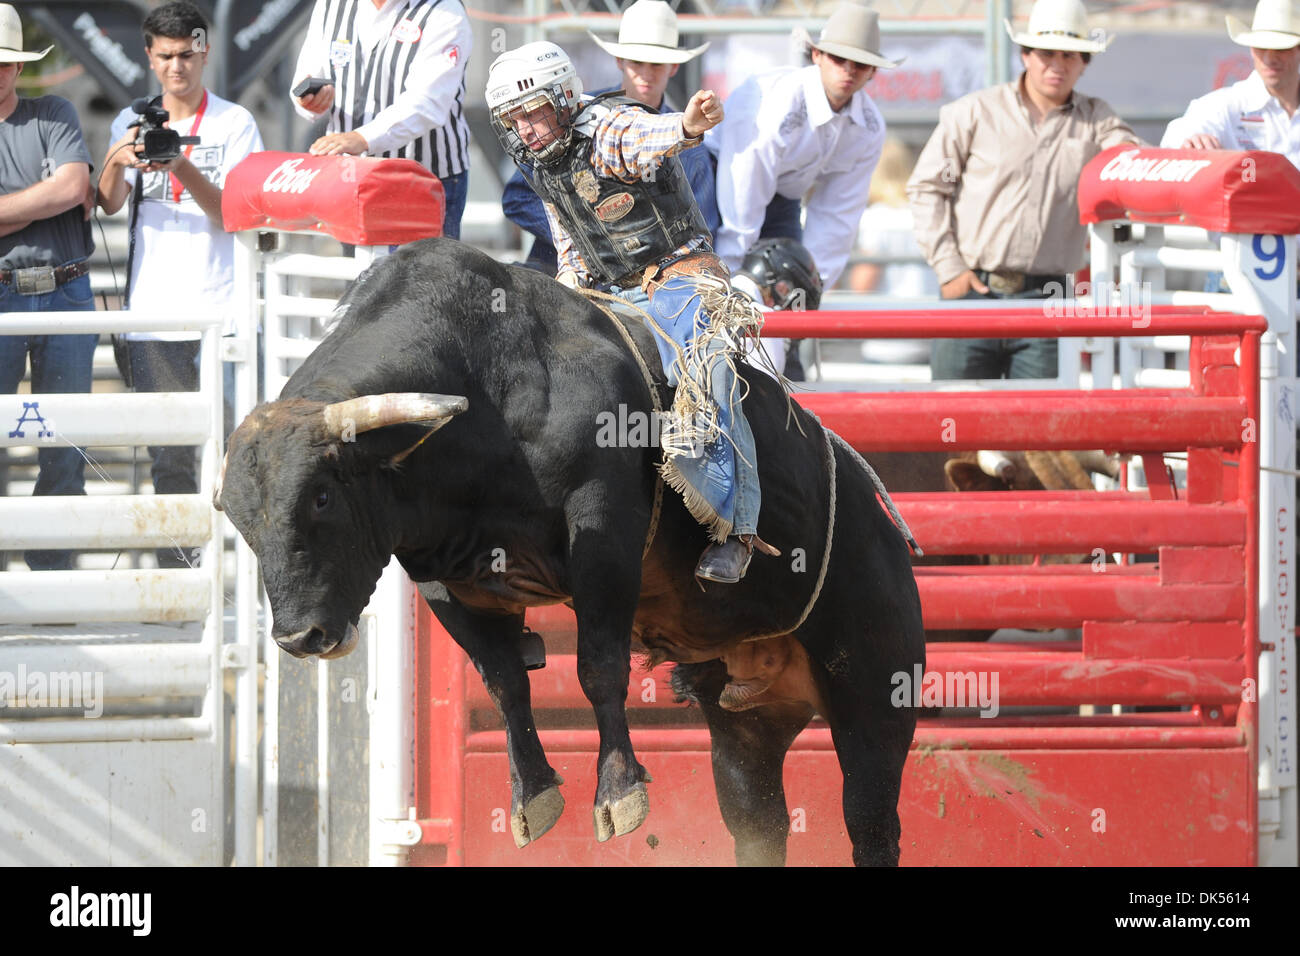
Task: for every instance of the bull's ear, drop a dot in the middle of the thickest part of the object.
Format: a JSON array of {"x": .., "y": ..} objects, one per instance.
[
  {"x": 967, "y": 476},
  {"x": 388, "y": 447}
]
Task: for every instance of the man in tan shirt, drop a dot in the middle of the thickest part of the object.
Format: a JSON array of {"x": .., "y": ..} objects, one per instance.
[{"x": 994, "y": 193}]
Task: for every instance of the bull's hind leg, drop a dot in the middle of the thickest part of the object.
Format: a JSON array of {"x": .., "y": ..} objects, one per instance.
[
  {"x": 492, "y": 643},
  {"x": 749, "y": 749},
  {"x": 871, "y": 736}
]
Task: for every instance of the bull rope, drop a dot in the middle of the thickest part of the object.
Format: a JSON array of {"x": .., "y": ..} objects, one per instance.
[
  {"x": 832, "y": 469},
  {"x": 657, "y": 507},
  {"x": 826, "y": 549},
  {"x": 880, "y": 489}
]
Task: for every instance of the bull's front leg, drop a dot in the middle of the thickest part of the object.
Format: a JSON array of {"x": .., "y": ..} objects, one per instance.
[
  {"x": 492, "y": 643},
  {"x": 606, "y": 578}
]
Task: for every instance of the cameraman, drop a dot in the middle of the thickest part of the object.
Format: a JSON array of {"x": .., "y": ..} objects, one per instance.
[{"x": 181, "y": 258}]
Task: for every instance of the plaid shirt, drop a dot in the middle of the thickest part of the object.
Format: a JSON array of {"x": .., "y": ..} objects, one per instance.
[{"x": 626, "y": 142}]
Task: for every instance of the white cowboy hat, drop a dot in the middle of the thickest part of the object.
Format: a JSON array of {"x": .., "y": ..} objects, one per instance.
[
  {"x": 853, "y": 32},
  {"x": 1059, "y": 25},
  {"x": 648, "y": 33},
  {"x": 11, "y": 38},
  {"x": 1276, "y": 27}
]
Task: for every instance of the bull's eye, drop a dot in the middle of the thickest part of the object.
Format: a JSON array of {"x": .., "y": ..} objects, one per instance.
[{"x": 322, "y": 501}]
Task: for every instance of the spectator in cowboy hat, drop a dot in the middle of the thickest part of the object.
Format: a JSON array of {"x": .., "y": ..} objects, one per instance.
[
  {"x": 44, "y": 244},
  {"x": 648, "y": 56},
  {"x": 809, "y": 137},
  {"x": 797, "y": 139},
  {"x": 1260, "y": 112},
  {"x": 993, "y": 193}
]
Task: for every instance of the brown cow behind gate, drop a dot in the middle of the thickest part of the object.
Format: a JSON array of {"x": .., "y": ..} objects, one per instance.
[{"x": 989, "y": 471}]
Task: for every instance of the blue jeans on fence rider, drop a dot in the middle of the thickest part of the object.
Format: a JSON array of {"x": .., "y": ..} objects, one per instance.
[{"x": 60, "y": 363}]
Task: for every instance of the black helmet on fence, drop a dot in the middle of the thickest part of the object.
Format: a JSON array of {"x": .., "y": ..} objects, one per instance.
[{"x": 770, "y": 262}]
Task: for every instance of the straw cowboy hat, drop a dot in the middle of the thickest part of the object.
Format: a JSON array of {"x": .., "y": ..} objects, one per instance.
[
  {"x": 1058, "y": 25},
  {"x": 11, "y": 38},
  {"x": 853, "y": 32},
  {"x": 1276, "y": 27},
  {"x": 648, "y": 33}
]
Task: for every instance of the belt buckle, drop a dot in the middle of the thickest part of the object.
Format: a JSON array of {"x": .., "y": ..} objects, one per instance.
[
  {"x": 1007, "y": 283},
  {"x": 36, "y": 280}
]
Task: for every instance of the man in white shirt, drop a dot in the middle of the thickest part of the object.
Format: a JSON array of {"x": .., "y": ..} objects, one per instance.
[
  {"x": 1260, "y": 111},
  {"x": 396, "y": 72},
  {"x": 181, "y": 257},
  {"x": 810, "y": 133}
]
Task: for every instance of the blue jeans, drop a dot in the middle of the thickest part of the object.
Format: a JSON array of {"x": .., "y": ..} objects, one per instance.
[
  {"x": 781, "y": 221},
  {"x": 744, "y": 518},
  {"x": 456, "y": 190},
  {"x": 60, "y": 364},
  {"x": 160, "y": 366},
  {"x": 992, "y": 358}
]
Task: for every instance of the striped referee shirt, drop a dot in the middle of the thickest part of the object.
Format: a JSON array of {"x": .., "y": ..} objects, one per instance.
[{"x": 399, "y": 76}]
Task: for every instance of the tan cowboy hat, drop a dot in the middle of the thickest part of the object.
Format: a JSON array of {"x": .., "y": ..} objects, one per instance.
[
  {"x": 1276, "y": 27},
  {"x": 648, "y": 33},
  {"x": 853, "y": 32},
  {"x": 11, "y": 38},
  {"x": 1059, "y": 25}
]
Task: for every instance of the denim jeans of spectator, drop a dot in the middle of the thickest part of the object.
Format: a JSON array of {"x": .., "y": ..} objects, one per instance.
[
  {"x": 60, "y": 363},
  {"x": 748, "y": 491},
  {"x": 781, "y": 221},
  {"x": 993, "y": 358},
  {"x": 455, "y": 190},
  {"x": 159, "y": 366}
]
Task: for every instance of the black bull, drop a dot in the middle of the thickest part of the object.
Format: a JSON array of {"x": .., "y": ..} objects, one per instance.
[{"x": 325, "y": 496}]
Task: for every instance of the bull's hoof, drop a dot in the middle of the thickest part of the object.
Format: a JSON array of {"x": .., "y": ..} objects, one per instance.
[
  {"x": 538, "y": 815},
  {"x": 623, "y": 815}
]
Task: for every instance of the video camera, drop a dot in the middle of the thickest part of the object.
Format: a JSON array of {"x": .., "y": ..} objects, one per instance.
[{"x": 160, "y": 145}]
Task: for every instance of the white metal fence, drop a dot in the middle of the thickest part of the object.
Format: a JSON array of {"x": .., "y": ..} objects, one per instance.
[{"x": 113, "y": 678}]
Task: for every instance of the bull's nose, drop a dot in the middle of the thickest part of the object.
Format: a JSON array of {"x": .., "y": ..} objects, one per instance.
[{"x": 303, "y": 643}]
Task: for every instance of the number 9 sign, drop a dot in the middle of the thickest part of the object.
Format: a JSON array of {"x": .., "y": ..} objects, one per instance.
[
  {"x": 1264, "y": 263},
  {"x": 1275, "y": 261}
]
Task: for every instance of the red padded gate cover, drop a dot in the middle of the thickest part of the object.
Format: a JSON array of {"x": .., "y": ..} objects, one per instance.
[
  {"x": 365, "y": 202},
  {"x": 1217, "y": 189}
]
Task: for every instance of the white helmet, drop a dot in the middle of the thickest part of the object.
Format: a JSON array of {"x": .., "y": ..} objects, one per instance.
[{"x": 533, "y": 76}]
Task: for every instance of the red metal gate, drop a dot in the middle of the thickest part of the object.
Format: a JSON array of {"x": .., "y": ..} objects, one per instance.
[{"x": 1173, "y": 784}]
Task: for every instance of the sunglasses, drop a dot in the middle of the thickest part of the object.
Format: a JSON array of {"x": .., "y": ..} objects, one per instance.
[{"x": 845, "y": 62}]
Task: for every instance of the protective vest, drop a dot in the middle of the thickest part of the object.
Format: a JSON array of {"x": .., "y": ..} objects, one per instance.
[{"x": 619, "y": 228}]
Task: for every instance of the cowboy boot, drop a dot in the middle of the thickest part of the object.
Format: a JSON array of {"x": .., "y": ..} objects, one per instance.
[{"x": 725, "y": 563}]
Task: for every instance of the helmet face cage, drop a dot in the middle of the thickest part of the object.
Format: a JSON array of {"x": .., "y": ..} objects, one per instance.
[
  {"x": 536, "y": 80},
  {"x": 558, "y": 124},
  {"x": 770, "y": 261}
]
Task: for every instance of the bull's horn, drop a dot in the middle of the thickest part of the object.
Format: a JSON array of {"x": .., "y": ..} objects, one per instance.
[
  {"x": 394, "y": 408},
  {"x": 996, "y": 464},
  {"x": 1099, "y": 462},
  {"x": 221, "y": 480}
]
